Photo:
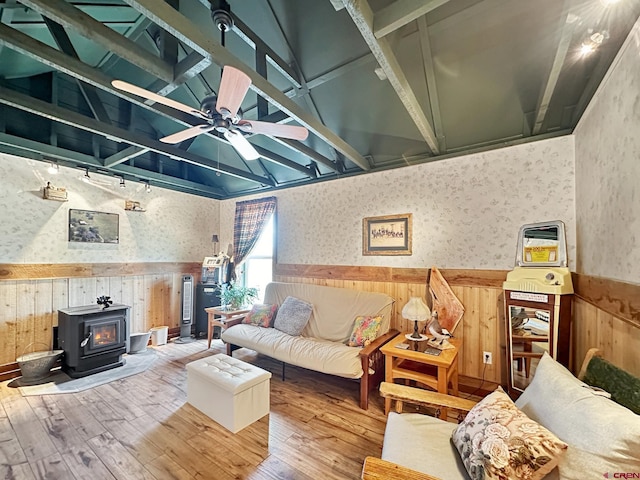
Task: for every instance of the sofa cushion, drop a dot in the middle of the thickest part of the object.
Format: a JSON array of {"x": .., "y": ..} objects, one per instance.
[
  {"x": 333, "y": 308},
  {"x": 365, "y": 330},
  {"x": 496, "y": 440},
  {"x": 293, "y": 315},
  {"x": 320, "y": 355},
  {"x": 603, "y": 437},
  {"x": 422, "y": 443},
  {"x": 260, "y": 315}
]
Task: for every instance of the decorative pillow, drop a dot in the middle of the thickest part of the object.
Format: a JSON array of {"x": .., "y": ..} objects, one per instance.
[
  {"x": 365, "y": 330},
  {"x": 293, "y": 315},
  {"x": 260, "y": 315},
  {"x": 496, "y": 440},
  {"x": 602, "y": 435}
]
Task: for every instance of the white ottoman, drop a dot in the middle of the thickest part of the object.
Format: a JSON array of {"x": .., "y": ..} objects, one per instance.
[{"x": 231, "y": 392}]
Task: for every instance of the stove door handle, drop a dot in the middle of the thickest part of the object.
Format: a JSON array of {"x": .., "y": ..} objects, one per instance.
[{"x": 86, "y": 340}]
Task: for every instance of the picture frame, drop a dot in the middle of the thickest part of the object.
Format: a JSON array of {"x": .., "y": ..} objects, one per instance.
[
  {"x": 88, "y": 226},
  {"x": 387, "y": 235}
]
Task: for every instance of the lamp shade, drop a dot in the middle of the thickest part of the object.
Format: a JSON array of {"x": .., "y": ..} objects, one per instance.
[{"x": 416, "y": 310}]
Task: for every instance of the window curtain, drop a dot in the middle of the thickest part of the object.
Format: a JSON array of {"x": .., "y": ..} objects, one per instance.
[{"x": 251, "y": 217}]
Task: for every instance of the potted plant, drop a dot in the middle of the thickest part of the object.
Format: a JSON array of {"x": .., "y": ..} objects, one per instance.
[{"x": 235, "y": 296}]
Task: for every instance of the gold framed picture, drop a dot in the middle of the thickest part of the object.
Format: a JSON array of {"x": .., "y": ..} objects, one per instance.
[{"x": 387, "y": 235}]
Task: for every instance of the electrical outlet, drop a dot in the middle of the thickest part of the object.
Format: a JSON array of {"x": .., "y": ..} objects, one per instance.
[{"x": 487, "y": 358}]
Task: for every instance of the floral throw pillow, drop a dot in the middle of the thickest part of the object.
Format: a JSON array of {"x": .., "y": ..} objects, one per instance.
[
  {"x": 260, "y": 315},
  {"x": 496, "y": 440},
  {"x": 365, "y": 330}
]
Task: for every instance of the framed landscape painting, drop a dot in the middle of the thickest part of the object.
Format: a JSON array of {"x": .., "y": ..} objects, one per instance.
[
  {"x": 93, "y": 227},
  {"x": 387, "y": 235}
]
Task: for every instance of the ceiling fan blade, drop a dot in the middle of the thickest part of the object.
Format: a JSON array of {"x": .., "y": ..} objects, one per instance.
[
  {"x": 141, "y": 92},
  {"x": 233, "y": 88},
  {"x": 183, "y": 135},
  {"x": 293, "y": 132},
  {"x": 242, "y": 145}
]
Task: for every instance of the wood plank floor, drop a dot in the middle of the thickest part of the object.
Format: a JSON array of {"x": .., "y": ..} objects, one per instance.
[{"x": 141, "y": 427}]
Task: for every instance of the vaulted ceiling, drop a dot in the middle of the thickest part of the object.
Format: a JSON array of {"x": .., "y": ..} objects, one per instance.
[{"x": 378, "y": 83}]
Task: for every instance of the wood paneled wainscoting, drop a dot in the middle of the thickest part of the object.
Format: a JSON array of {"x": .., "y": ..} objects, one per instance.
[
  {"x": 480, "y": 291},
  {"x": 606, "y": 313},
  {"x": 31, "y": 295}
]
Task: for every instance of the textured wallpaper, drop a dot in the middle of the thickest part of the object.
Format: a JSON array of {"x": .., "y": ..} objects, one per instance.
[
  {"x": 466, "y": 210},
  {"x": 176, "y": 227},
  {"x": 608, "y": 172}
]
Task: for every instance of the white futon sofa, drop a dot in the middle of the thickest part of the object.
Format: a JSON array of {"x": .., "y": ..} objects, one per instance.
[{"x": 322, "y": 346}]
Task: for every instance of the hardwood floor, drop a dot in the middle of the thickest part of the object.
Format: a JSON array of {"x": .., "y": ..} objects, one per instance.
[{"x": 141, "y": 427}]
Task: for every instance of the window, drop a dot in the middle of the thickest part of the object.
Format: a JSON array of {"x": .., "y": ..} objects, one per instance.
[{"x": 257, "y": 269}]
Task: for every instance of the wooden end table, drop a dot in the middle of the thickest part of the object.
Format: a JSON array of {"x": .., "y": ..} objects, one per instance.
[
  {"x": 434, "y": 371},
  {"x": 224, "y": 314}
]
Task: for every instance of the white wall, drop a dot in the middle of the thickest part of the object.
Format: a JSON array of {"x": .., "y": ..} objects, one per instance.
[
  {"x": 608, "y": 172},
  {"x": 466, "y": 210},
  {"x": 176, "y": 227}
]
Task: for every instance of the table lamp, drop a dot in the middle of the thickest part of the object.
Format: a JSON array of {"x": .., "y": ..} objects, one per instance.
[
  {"x": 214, "y": 240},
  {"x": 417, "y": 311}
]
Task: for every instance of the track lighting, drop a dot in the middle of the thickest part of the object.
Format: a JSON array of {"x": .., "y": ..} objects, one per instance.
[
  {"x": 53, "y": 168},
  {"x": 122, "y": 185}
]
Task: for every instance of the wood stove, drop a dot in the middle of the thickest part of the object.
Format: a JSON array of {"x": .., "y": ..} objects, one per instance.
[{"x": 93, "y": 338}]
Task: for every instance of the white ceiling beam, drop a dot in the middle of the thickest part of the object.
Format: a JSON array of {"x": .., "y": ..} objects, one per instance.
[
  {"x": 124, "y": 155},
  {"x": 552, "y": 80},
  {"x": 401, "y": 12},
  {"x": 178, "y": 25},
  {"x": 362, "y": 16},
  {"x": 71, "y": 17},
  {"x": 430, "y": 75}
]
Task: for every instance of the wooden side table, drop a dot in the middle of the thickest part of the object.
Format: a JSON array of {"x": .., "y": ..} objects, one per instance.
[
  {"x": 435, "y": 371},
  {"x": 225, "y": 315}
]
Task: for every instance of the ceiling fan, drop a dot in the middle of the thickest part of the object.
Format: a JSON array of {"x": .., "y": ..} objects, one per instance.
[{"x": 221, "y": 113}]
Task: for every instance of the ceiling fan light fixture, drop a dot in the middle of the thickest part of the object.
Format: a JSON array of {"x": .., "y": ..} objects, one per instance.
[{"x": 241, "y": 144}]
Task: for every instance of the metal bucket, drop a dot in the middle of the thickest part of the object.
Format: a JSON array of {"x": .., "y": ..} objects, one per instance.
[{"x": 36, "y": 366}]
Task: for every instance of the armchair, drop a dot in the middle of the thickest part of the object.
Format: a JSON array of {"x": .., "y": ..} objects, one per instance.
[{"x": 415, "y": 444}]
